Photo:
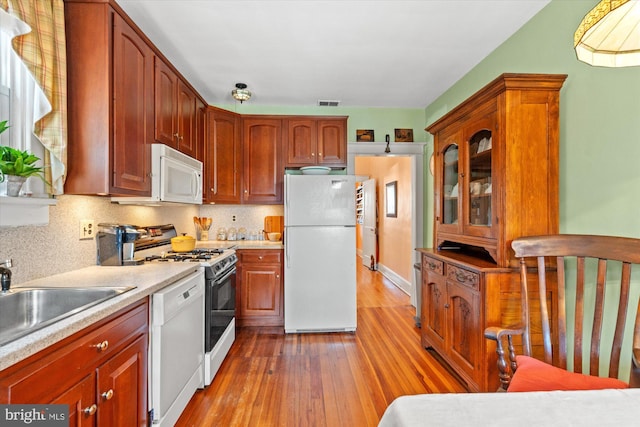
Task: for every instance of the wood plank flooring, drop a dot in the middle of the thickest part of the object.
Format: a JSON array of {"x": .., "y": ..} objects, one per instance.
[{"x": 271, "y": 378}]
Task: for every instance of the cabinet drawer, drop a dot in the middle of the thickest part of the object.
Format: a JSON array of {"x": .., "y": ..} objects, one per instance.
[
  {"x": 60, "y": 369},
  {"x": 269, "y": 256},
  {"x": 431, "y": 264},
  {"x": 462, "y": 276}
]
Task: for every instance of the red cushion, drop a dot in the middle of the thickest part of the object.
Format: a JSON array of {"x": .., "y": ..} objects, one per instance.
[{"x": 534, "y": 375}]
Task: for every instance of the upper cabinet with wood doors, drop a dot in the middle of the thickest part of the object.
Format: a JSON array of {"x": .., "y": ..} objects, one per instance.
[
  {"x": 496, "y": 166},
  {"x": 315, "y": 141},
  {"x": 263, "y": 168},
  {"x": 176, "y": 112},
  {"x": 116, "y": 79},
  {"x": 223, "y": 157},
  {"x": 110, "y": 102}
]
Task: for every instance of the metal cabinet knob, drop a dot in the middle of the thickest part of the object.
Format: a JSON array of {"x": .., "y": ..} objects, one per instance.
[
  {"x": 90, "y": 410},
  {"x": 107, "y": 395},
  {"x": 102, "y": 346}
]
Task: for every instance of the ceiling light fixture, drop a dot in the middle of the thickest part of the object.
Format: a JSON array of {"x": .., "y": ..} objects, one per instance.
[
  {"x": 609, "y": 35},
  {"x": 241, "y": 93}
]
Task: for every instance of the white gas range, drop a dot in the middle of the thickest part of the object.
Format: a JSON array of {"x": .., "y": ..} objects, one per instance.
[{"x": 215, "y": 329}]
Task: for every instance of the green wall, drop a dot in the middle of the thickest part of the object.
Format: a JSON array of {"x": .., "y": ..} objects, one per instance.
[{"x": 599, "y": 120}]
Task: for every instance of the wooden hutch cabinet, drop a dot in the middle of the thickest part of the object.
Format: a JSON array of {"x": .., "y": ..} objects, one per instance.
[{"x": 495, "y": 179}]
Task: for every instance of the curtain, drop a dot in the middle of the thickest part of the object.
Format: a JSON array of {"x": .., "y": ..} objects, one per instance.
[{"x": 44, "y": 52}]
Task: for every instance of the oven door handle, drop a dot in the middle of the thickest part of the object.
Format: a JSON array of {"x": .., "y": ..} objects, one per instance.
[{"x": 226, "y": 276}]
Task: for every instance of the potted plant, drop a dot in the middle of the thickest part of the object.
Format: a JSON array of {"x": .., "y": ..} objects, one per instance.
[{"x": 16, "y": 166}]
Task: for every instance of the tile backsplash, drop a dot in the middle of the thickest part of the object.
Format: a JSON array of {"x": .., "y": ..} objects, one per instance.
[{"x": 40, "y": 251}]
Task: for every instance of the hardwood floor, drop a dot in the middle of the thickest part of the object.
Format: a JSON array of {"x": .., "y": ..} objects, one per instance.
[{"x": 271, "y": 378}]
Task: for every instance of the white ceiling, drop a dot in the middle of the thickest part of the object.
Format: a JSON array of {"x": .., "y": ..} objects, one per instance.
[{"x": 379, "y": 53}]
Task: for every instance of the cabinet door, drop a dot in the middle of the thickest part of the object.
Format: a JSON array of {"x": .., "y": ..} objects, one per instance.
[
  {"x": 464, "y": 331},
  {"x": 332, "y": 142},
  {"x": 478, "y": 170},
  {"x": 122, "y": 387},
  {"x": 433, "y": 315},
  {"x": 448, "y": 192},
  {"x": 81, "y": 399},
  {"x": 263, "y": 170},
  {"x": 260, "y": 293},
  {"x": 132, "y": 111},
  {"x": 201, "y": 128},
  {"x": 223, "y": 157},
  {"x": 187, "y": 115},
  {"x": 301, "y": 142},
  {"x": 166, "y": 103}
]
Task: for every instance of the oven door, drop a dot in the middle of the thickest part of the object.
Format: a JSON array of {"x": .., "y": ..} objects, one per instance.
[{"x": 220, "y": 306}]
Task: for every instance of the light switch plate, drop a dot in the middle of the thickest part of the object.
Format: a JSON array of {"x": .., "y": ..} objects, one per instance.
[{"x": 87, "y": 229}]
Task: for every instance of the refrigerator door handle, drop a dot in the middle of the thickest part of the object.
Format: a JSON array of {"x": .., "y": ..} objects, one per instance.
[{"x": 287, "y": 248}]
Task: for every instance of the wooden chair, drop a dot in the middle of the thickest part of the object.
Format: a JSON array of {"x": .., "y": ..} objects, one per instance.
[{"x": 604, "y": 294}]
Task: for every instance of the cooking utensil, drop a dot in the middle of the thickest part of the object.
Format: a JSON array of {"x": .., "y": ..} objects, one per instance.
[{"x": 183, "y": 243}]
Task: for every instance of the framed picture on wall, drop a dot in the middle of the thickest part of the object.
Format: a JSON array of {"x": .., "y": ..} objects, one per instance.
[
  {"x": 364, "y": 135},
  {"x": 404, "y": 135},
  {"x": 391, "y": 199}
]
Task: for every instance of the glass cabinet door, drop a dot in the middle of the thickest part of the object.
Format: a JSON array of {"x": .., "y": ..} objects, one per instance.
[
  {"x": 479, "y": 173},
  {"x": 450, "y": 185}
]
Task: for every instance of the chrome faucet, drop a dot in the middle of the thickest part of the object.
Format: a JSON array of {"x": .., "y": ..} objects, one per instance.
[{"x": 5, "y": 274}]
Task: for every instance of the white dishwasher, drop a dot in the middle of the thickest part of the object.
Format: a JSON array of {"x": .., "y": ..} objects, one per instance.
[{"x": 177, "y": 347}]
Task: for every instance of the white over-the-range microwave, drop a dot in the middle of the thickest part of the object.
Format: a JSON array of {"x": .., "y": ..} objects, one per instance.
[{"x": 175, "y": 178}]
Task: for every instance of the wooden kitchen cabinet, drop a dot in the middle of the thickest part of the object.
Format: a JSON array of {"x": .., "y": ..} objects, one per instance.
[
  {"x": 110, "y": 102},
  {"x": 100, "y": 372},
  {"x": 260, "y": 287},
  {"x": 263, "y": 167},
  {"x": 316, "y": 141},
  {"x": 495, "y": 179},
  {"x": 223, "y": 157},
  {"x": 122, "y": 96},
  {"x": 176, "y": 111}
]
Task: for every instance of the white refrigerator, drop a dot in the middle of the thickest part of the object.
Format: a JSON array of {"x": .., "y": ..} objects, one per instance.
[{"x": 320, "y": 253}]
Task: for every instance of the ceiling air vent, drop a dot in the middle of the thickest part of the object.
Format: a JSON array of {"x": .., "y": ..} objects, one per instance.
[{"x": 326, "y": 103}]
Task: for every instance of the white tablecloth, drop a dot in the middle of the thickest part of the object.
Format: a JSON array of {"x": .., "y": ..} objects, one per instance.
[{"x": 556, "y": 408}]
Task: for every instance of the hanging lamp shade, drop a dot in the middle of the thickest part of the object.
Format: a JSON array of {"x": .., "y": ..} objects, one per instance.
[
  {"x": 609, "y": 35},
  {"x": 241, "y": 93}
]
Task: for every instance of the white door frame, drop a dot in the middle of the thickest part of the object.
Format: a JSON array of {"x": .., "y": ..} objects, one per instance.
[{"x": 415, "y": 150}]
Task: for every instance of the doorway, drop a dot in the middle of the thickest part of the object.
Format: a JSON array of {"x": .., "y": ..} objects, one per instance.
[{"x": 415, "y": 153}]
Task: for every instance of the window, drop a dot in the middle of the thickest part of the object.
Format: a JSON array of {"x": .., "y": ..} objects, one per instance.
[{"x": 22, "y": 101}]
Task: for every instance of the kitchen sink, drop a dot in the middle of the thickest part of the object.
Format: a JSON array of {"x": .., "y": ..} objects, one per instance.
[{"x": 25, "y": 310}]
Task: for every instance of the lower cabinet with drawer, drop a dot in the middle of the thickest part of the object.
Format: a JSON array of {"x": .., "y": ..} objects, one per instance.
[
  {"x": 100, "y": 372},
  {"x": 259, "y": 287},
  {"x": 461, "y": 296}
]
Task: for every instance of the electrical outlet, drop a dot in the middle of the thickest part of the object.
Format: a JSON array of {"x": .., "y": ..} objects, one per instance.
[{"x": 87, "y": 229}]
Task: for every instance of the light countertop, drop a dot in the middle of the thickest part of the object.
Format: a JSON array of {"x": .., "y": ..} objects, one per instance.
[
  {"x": 147, "y": 278},
  {"x": 240, "y": 244}
]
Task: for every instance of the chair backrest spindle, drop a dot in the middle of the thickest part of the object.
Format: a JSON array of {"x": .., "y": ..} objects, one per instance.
[{"x": 597, "y": 259}]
